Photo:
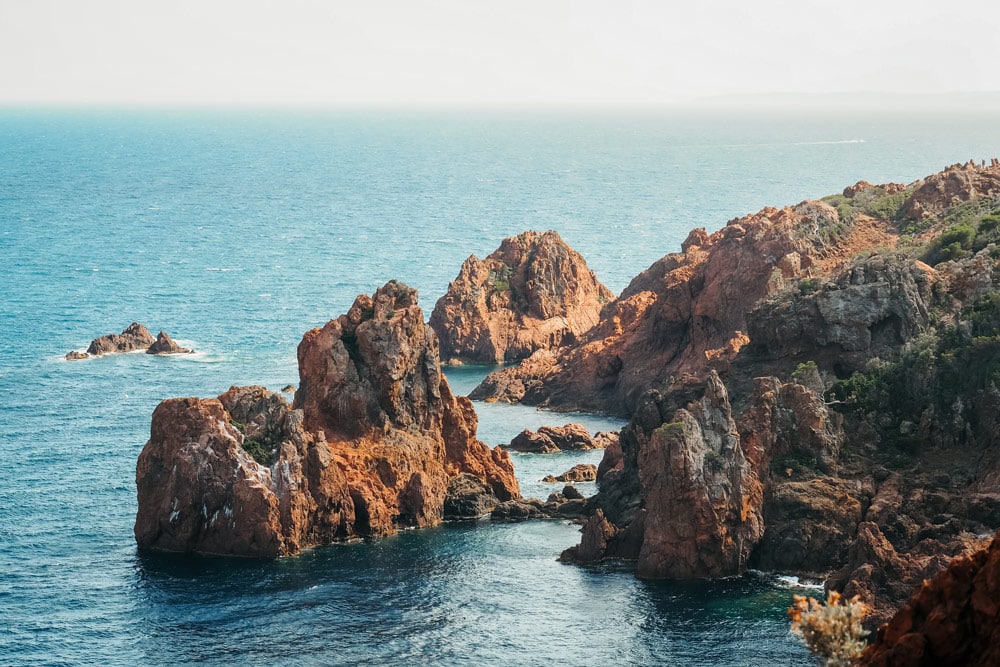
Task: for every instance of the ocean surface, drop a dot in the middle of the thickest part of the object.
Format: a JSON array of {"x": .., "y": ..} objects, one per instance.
[{"x": 237, "y": 231}]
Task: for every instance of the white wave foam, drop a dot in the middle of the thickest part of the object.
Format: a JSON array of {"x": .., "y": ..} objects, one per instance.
[{"x": 790, "y": 581}]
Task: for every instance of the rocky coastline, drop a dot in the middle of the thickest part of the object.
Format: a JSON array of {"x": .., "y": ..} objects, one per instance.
[{"x": 810, "y": 390}]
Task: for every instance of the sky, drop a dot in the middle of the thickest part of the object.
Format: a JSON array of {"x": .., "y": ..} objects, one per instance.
[{"x": 468, "y": 53}]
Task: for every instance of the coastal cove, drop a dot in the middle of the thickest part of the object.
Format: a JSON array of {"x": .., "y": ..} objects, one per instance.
[{"x": 242, "y": 230}]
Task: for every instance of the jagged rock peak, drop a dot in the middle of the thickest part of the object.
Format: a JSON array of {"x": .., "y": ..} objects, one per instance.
[
  {"x": 534, "y": 292},
  {"x": 370, "y": 446}
]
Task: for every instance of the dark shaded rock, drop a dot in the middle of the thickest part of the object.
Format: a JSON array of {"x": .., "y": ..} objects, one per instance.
[
  {"x": 597, "y": 534},
  {"x": 570, "y": 492},
  {"x": 518, "y": 510},
  {"x": 582, "y": 472},
  {"x": 468, "y": 497}
]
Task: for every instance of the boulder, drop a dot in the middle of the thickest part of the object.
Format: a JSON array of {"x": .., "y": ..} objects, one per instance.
[
  {"x": 571, "y": 437},
  {"x": 533, "y": 293},
  {"x": 581, "y": 472},
  {"x": 468, "y": 497},
  {"x": 164, "y": 344}
]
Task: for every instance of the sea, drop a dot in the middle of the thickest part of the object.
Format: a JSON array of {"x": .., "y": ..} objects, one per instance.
[{"x": 238, "y": 230}]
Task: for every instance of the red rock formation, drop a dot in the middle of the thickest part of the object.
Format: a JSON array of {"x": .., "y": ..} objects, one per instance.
[
  {"x": 533, "y": 293},
  {"x": 164, "y": 344},
  {"x": 685, "y": 314},
  {"x": 134, "y": 337},
  {"x": 958, "y": 183},
  {"x": 952, "y": 619},
  {"x": 371, "y": 445},
  {"x": 701, "y": 495}
]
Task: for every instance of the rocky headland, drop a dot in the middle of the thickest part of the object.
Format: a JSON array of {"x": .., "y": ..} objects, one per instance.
[
  {"x": 374, "y": 442},
  {"x": 811, "y": 390},
  {"x": 134, "y": 337},
  {"x": 533, "y": 293}
]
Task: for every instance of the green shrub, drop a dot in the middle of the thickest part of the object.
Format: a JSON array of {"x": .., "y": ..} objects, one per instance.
[{"x": 805, "y": 371}]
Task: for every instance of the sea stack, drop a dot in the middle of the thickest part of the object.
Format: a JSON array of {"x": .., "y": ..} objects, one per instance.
[
  {"x": 533, "y": 293},
  {"x": 371, "y": 444}
]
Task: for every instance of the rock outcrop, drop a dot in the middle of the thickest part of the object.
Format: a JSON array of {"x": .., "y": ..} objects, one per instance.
[
  {"x": 856, "y": 441},
  {"x": 533, "y": 293},
  {"x": 372, "y": 443},
  {"x": 581, "y": 472},
  {"x": 134, "y": 337},
  {"x": 952, "y": 619},
  {"x": 957, "y": 184},
  {"x": 685, "y": 492},
  {"x": 687, "y": 314},
  {"x": 547, "y": 439},
  {"x": 164, "y": 344}
]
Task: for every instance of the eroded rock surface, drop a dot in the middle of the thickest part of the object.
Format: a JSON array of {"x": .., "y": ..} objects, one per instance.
[
  {"x": 533, "y": 293},
  {"x": 952, "y": 619},
  {"x": 687, "y": 313},
  {"x": 372, "y": 444}
]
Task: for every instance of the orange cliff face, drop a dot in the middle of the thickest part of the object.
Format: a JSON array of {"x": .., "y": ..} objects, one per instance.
[
  {"x": 952, "y": 619},
  {"x": 370, "y": 445},
  {"x": 687, "y": 313},
  {"x": 751, "y": 326},
  {"x": 533, "y": 293}
]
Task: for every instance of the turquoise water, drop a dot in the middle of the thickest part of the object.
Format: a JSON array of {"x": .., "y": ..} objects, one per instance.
[{"x": 238, "y": 231}]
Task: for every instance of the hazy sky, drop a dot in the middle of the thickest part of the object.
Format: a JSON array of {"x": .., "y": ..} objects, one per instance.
[{"x": 499, "y": 53}]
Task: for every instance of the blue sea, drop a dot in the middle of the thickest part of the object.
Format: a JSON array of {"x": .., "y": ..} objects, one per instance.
[{"x": 236, "y": 231}]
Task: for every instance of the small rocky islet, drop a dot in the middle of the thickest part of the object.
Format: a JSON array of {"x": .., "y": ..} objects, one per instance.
[
  {"x": 811, "y": 390},
  {"x": 133, "y": 338}
]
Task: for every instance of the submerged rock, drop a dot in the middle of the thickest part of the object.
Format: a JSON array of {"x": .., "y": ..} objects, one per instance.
[
  {"x": 371, "y": 444},
  {"x": 533, "y": 293}
]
